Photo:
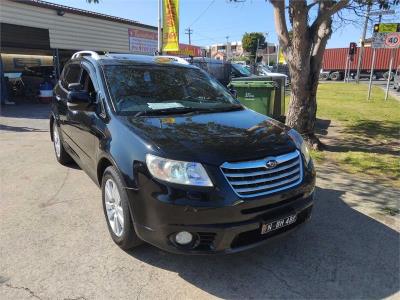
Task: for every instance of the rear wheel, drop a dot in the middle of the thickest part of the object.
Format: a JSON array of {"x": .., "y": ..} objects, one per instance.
[
  {"x": 61, "y": 155},
  {"x": 324, "y": 76},
  {"x": 386, "y": 75},
  {"x": 335, "y": 76},
  {"x": 116, "y": 210}
]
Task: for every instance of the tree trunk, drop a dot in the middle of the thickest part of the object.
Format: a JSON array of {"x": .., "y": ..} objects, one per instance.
[
  {"x": 305, "y": 55},
  {"x": 303, "y": 108},
  {"x": 303, "y": 50}
]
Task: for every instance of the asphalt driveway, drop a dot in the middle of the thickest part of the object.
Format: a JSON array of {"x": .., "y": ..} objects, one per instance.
[{"x": 54, "y": 242}]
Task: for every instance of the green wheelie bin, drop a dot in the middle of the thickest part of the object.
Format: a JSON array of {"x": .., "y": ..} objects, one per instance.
[{"x": 256, "y": 95}]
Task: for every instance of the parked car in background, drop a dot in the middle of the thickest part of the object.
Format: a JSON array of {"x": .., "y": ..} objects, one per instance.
[
  {"x": 263, "y": 70},
  {"x": 219, "y": 69},
  {"x": 181, "y": 163},
  {"x": 240, "y": 70},
  {"x": 31, "y": 79}
]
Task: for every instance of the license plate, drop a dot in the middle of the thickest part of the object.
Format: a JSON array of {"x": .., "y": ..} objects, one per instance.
[{"x": 265, "y": 228}]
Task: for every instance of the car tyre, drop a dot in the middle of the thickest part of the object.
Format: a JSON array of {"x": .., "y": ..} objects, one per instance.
[
  {"x": 116, "y": 210},
  {"x": 387, "y": 74},
  {"x": 335, "y": 76},
  {"x": 61, "y": 155},
  {"x": 324, "y": 76}
]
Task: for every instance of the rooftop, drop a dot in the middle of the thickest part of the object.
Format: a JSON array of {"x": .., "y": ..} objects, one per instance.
[{"x": 82, "y": 12}]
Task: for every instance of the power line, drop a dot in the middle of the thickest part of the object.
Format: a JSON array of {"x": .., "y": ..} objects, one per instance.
[{"x": 204, "y": 11}]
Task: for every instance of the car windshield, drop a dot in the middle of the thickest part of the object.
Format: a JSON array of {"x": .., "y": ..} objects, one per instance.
[
  {"x": 148, "y": 89},
  {"x": 242, "y": 70}
]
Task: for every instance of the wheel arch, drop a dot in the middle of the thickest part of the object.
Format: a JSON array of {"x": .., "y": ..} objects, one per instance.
[
  {"x": 104, "y": 162},
  {"x": 52, "y": 119},
  {"x": 102, "y": 165}
]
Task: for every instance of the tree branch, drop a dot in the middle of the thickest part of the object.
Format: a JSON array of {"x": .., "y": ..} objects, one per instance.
[
  {"x": 327, "y": 10},
  {"x": 280, "y": 22},
  {"x": 315, "y": 2}
]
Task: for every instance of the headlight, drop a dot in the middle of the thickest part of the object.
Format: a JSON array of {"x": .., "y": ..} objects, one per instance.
[
  {"x": 300, "y": 144},
  {"x": 181, "y": 172}
]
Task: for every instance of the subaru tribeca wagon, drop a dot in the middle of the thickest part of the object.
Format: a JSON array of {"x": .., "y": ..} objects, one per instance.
[{"x": 182, "y": 165}]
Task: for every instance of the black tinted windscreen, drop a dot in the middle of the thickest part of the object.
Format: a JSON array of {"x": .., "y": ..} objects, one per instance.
[{"x": 144, "y": 88}]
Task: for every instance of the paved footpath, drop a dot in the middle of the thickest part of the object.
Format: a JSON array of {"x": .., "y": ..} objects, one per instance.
[{"x": 54, "y": 242}]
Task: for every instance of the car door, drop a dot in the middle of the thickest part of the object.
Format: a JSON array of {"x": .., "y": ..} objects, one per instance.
[
  {"x": 85, "y": 124},
  {"x": 71, "y": 74}
]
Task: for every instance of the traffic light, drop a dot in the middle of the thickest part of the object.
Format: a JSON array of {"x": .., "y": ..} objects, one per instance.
[
  {"x": 383, "y": 4},
  {"x": 352, "y": 48}
]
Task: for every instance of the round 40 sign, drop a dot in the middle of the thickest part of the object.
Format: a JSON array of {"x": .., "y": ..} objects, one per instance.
[{"x": 392, "y": 40}]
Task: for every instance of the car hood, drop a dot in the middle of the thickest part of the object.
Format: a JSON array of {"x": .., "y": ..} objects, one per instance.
[{"x": 213, "y": 138}]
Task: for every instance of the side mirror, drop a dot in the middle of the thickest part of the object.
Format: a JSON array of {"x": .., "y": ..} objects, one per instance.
[{"x": 78, "y": 100}]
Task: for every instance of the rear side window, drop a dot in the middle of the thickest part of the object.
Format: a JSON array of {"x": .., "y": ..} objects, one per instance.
[{"x": 72, "y": 75}]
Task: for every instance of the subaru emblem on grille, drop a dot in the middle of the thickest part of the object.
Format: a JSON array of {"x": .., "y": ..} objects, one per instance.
[{"x": 271, "y": 164}]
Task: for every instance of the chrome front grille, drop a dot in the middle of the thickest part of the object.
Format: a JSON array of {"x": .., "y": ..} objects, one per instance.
[{"x": 254, "y": 178}]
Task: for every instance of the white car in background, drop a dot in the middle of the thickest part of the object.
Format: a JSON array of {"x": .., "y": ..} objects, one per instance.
[{"x": 263, "y": 70}]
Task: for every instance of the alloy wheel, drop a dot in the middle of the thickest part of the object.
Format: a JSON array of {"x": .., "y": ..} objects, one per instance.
[
  {"x": 115, "y": 213},
  {"x": 56, "y": 140}
]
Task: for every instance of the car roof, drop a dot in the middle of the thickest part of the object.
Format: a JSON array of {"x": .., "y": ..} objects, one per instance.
[{"x": 134, "y": 59}]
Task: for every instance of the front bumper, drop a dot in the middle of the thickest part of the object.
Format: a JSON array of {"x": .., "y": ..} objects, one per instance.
[
  {"x": 228, "y": 237},
  {"x": 220, "y": 221}
]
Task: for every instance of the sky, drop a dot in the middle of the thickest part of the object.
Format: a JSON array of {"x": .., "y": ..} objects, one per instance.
[{"x": 211, "y": 20}]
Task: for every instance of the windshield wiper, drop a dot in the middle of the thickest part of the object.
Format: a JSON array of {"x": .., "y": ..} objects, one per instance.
[
  {"x": 167, "y": 111},
  {"x": 226, "y": 108},
  {"x": 187, "y": 110}
]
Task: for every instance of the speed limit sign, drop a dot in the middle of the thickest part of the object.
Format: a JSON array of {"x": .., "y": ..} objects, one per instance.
[{"x": 392, "y": 40}]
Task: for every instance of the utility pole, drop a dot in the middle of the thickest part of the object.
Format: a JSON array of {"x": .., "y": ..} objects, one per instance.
[
  {"x": 159, "y": 48},
  {"x": 371, "y": 75},
  {"x": 361, "y": 52},
  {"x": 189, "y": 32},
  {"x": 227, "y": 51},
  {"x": 266, "y": 39}
]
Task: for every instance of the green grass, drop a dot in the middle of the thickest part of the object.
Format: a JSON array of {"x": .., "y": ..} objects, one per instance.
[
  {"x": 370, "y": 130},
  {"x": 348, "y": 103},
  {"x": 318, "y": 156},
  {"x": 383, "y": 165}
]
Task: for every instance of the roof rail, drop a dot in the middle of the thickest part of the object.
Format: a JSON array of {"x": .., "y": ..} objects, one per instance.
[
  {"x": 85, "y": 53},
  {"x": 176, "y": 59}
]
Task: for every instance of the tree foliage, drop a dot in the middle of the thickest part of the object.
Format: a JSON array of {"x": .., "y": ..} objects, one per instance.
[{"x": 251, "y": 41}]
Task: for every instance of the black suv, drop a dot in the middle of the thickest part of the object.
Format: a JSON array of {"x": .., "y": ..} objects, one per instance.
[{"x": 182, "y": 164}]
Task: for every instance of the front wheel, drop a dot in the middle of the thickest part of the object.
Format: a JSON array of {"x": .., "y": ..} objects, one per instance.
[{"x": 116, "y": 210}]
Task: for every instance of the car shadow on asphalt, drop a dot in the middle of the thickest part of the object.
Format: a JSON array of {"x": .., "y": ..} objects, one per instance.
[
  {"x": 340, "y": 253},
  {"x": 26, "y": 111},
  {"x": 20, "y": 128}
]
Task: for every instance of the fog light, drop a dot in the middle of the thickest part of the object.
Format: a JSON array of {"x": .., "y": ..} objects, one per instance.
[{"x": 183, "y": 238}]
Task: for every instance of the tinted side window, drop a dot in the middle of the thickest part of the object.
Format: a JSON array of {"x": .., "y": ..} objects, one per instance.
[
  {"x": 87, "y": 84},
  {"x": 72, "y": 75}
]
